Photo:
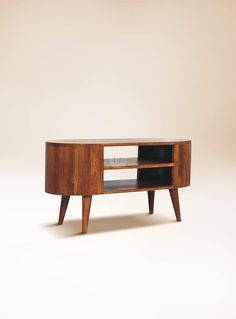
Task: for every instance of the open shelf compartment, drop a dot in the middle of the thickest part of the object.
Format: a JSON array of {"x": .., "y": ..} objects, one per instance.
[
  {"x": 148, "y": 157},
  {"x": 154, "y": 165}
]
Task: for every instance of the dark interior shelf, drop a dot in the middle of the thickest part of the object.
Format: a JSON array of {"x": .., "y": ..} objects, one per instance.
[
  {"x": 132, "y": 162},
  {"x": 132, "y": 185}
]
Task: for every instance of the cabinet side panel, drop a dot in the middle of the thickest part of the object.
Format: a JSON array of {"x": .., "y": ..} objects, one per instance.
[
  {"x": 182, "y": 162},
  {"x": 74, "y": 169},
  {"x": 59, "y": 170}
]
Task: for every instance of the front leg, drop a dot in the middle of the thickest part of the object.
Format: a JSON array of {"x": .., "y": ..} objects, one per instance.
[{"x": 86, "y": 204}]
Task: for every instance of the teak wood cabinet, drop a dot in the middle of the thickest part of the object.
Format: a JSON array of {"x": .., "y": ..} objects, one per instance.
[{"x": 76, "y": 167}]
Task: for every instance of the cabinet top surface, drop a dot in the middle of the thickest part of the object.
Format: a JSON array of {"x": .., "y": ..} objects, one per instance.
[{"x": 119, "y": 142}]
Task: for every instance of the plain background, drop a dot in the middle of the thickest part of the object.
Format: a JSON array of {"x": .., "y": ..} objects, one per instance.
[{"x": 113, "y": 69}]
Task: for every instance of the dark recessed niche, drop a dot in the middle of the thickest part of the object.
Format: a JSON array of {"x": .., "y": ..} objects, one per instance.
[
  {"x": 159, "y": 153},
  {"x": 159, "y": 176}
]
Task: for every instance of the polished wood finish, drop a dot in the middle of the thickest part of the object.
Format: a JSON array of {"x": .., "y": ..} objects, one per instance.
[
  {"x": 63, "y": 208},
  {"x": 151, "y": 196},
  {"x": 119, "y": 141},
  {"x": 131, "y": 185},
  {"x": 76, "y": 167},
  {"x": 133, "y": 162},
  {"x": 175, "y": 201},
  {"x": 182, "y": 160},
  {"x": 86, "y": 204}
]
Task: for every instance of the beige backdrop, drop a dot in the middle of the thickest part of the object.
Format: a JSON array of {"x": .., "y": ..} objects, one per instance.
[
  {"x": 77, "y": 69},
  {"x": 118, "y": 68}
]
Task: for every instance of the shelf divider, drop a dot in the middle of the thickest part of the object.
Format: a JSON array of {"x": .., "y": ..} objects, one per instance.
[
  {"x": 132, "y": 162},
  {"x": 132, "y": 185}
]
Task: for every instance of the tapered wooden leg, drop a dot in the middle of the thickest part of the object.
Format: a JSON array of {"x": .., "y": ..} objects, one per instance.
[
  {"x": 64, "y": 204},
  {"x": 86, "y": 204},
  {"x": 151, "y": 196},
  {"x": 175, "y": 201}
]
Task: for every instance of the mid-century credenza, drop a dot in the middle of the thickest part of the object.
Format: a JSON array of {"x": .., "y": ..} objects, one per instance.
[{"x": 76, "y": 167}]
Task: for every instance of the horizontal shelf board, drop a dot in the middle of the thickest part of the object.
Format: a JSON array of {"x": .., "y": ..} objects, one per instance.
[
  {"x": 132, "y": 162},
  {"x": 131, "y": 185}
]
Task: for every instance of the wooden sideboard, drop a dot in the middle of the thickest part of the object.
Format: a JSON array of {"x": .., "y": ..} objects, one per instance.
[{"x": 76, "y": 167}]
